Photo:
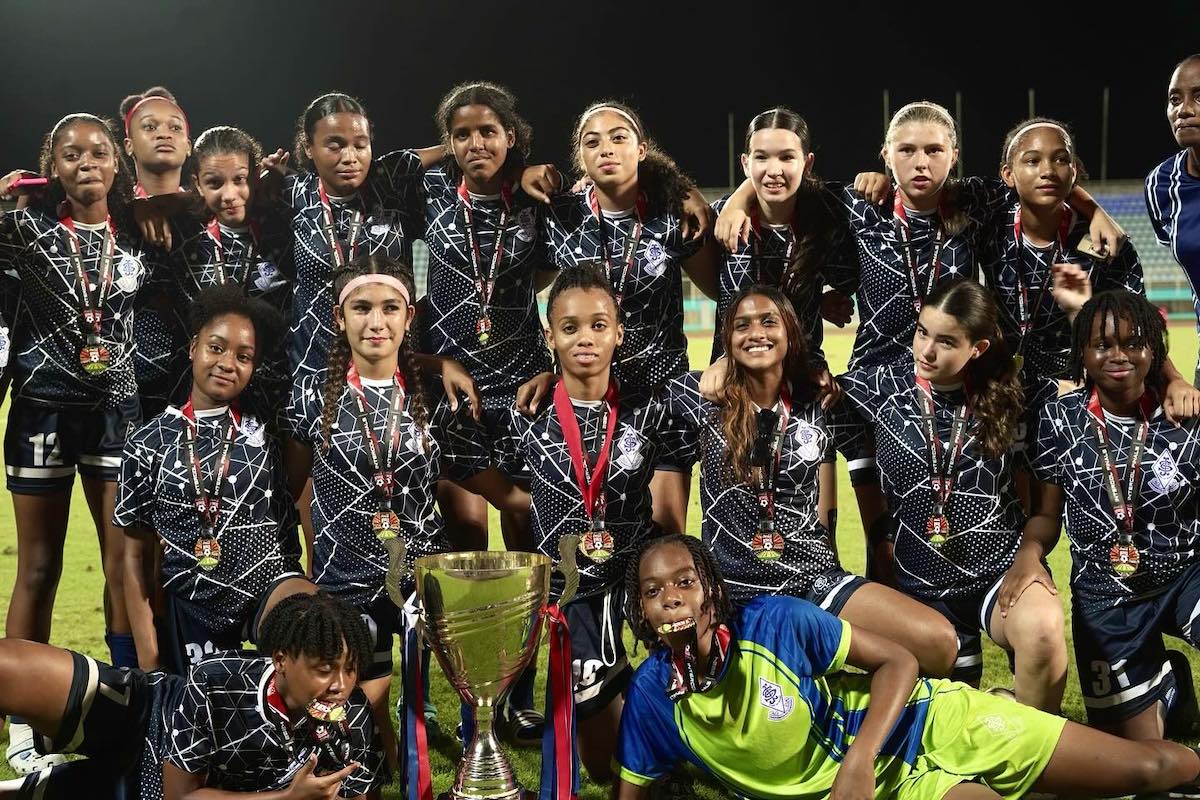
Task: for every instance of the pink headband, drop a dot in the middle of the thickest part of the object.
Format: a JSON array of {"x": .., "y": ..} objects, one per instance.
[
  {"x": 129, "y": 115},
  {"x": 363, "y": 280}
]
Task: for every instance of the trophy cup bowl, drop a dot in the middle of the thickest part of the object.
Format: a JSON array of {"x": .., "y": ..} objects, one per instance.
[{"x": 482, "y": 614}]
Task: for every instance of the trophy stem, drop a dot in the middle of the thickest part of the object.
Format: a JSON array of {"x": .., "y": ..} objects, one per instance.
[{"x": 485, "y": 772}]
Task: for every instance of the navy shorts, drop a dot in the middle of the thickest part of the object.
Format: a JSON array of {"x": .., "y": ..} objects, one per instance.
[
  {"x": 598, "y": 660},
  {"x": 970, "y": 615},
  {"x": 44, "y": 444},
  {"x": 1122, "y": 661},
  {"x": 383, "y": 622},
  {"x": 833, "y": 589}
]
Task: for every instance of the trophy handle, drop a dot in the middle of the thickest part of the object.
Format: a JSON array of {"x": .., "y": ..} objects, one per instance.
[
  {"x": 567, "y": 548},
  {"x": 397, "y": 572}
]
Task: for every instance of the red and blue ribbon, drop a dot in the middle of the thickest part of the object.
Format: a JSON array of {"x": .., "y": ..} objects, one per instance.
[{"x": 560, "y": 759}]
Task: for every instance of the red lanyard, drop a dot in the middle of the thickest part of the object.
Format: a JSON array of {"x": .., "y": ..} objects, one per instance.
[
  {"x": 382, "y": 461},
  {"x": 329, "y": 227},
  {"x": 92, "y": 297},
  {"x": 756, "y": 246},
  {"x": 485, "y": 281},
  {"x": 207, "y": 496},
  {"x": 591, "y": 484},
  {"x": 769, "y": 471},
  {"x": 628, "y": 248},
  {"x": 910, "y": 256},
  {"x": 1026, "y": 314},
  {"x": 943, "y": 463},
  {"x": 1123, "y": 500},
  {"x": 214, "y": 233}
]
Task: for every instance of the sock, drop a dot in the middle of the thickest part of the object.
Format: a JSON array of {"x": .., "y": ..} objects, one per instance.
[{"x": 122, "y": 649}]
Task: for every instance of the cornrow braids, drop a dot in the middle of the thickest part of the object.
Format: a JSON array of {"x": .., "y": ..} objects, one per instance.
[
  {"x": 1145, "y": 322},
  {"x": 335, "y": 384},
  {"x": 716, "y": 597},
  {"x": 229, "y": 298},
  {"x": 414, "y": 384},
  {"x": 317, "y": 625},
  {"x": 585, "y": 275}
]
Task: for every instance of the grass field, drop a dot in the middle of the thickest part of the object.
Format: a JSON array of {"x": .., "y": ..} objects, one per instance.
[{"x": 78, "y": 620}]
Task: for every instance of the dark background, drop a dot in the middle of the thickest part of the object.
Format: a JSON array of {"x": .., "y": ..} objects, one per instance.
[{"x": 257, "y": 64}]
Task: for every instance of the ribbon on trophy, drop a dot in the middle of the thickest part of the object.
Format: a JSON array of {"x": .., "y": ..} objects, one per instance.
[
  {"x": 560, "y": 758},
  {"x": 415, "y": 777}
]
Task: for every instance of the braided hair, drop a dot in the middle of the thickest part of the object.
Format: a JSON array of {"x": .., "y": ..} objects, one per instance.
[
  {"x": 316, "y": 625},
  {"x": 1145, "y": 323},
  {"x": 340, "y": 353},
  {"x": 229, "y": 298},
  {"x": 716, "y": 597}
]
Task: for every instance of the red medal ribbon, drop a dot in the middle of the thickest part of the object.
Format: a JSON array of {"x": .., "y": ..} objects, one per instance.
[
  {"x": 770, "y": 472},
  {"x": 207, "y": 498},
  {"x": 329, "y": 227},
  {"x": 591, "y": 485},
  {"x": 92, "y": 297},
  {"x": 214, "y": 233},
  {"x": 1123, "y": 500},
  {"x": 560, "y": 685},
  {"x": 628, "y": 248},
  {"x": 1026, "y": 314},
  {"x": 943, "y": 463},
  {"x": 382, "y": 460},
  {"x": 485, "y": 282},
  {"x": 756, "y": 245},
  {"x": 910, "y": 257}
]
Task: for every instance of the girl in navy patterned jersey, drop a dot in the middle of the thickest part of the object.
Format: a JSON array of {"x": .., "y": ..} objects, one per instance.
[
  {"x": 1128, "y": 481},
  {"x": 80, "y": 270},
  {"x": 943, "y": 435},
  {"x": 631, "y": 219},
  {"x": 219, "y": 563},
  {"x": 157, "y": 140},
  {"x": 765, "y": 474},
  {"x": 376, "y": 440}
]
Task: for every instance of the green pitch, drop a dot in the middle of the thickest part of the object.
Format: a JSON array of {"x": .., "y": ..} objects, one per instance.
[{"x": 78, "y": 621}]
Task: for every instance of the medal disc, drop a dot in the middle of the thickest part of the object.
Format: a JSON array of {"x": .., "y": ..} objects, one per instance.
[
  {"x": 597, "y": 545},
  {"x": 208, "y": 553},
  {"x": 1124, "y": 559},
  {"x": 767, "y": 545},
  {"x": 94, "y": 359},
  {"x": 1019, "y": 362},
  {"x": 483, "y": 327},
  {"x": 386, "y": 524},
  {"x": 937, "y": 529}
]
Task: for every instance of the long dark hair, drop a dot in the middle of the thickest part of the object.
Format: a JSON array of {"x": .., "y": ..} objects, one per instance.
[
  {"x": 716, "y": 597},
  {"x": 813, "y": 222},
  {"x": 993, "y": 385},
  {"x": 659, "y": 177},
  {"x": 1144, "y": 320},
  {"x": 503, "y": 104},
  {"x": 340, "y": 353},
  {"x": 739, "y": 421},
  {"x": 121, "y": 191}
]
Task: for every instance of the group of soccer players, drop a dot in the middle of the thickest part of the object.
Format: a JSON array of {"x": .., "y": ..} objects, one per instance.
[{"x": 228, "y": 346}]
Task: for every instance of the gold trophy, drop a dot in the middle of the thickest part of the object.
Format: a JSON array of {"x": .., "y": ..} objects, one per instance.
[{"x": 482, "y": 616}]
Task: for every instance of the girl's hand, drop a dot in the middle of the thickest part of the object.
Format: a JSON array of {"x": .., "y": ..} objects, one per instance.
[
  {"x": 875, "y": 187},
  {"x": 1108, "y": 236},
  {"x": 455, "y": 381},
  {"x": 829, "y": 391},
  {"x": 582, "y": 185},
  {"x": 712, "y": 381},
  {"x": 1182, "y": 401},
  {"x": 1071, "y": 288},
  {"x": 275, "y": 162},
  {"x": 855, "y": 780},
  {"x": 530, "y": 393},
  {"x": 733, "y": 228},
  {"x": 837, "y": 308},
  {"x": 20, "y": 191},
  {"x": 153, "y": 220},
  {"x": 697, "y": 216},
  {"x": 540, "y": 181},
  {"x": 1027, "y": 569}
]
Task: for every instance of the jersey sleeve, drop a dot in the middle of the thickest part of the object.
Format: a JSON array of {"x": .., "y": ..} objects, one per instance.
[
  {"x": 841, "y": 268},
  {"x": 509, "y": 453},
  {"x": 984, "y": 199},
  {"x": 365, "y": 750},
  {"x": 12, "y": 243},
  {"x": 396, "y": 180},
  {"x": 864, "y": 390},
  {"x": 460, "y": 439},
  {"x": 135, "y": 491},
  {"x": 823, "y": 639},
  {"x": 1045, "y": 452},
  {"x": 682, "y": 405},
  {"x": 1156, "y": 222},
  {"x": 1123, "y": 272},
  {"x": 648, "y": 743},
  {"x": 304, "y": 411},
  {"x": 192, "y": 746},
  {"x": 846, "y": 432}
]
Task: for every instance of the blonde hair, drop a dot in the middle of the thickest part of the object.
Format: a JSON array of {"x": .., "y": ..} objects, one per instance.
[{"x": 928, "y": 112}]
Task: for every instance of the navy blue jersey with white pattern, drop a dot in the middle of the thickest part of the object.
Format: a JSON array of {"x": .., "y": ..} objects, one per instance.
[
  {"x": 158, "y": 345},
  {"x": 223, "y": 729},
  {"x": 257, "y": 525},
  {"x": 348, "y": 559},
  {"x": 986, "y": 518},
  {"x": 516, "y": 347},
  {"x": 391, "y": 218},
  {"x": 731, "y": 508},
  {"x": 1166, "y": 516},
  {"x": 655, "y": 347},
  {"x": 10, "y": 294},
  {"x": 880, "y": 278},
  {"x": 1048, "y": 343},
  {"x": 763, "y": 260},
  {"x": 557, "y": 505},
  {"x": 1173, "y": 204},
  {"x": 45, "y": 357}
]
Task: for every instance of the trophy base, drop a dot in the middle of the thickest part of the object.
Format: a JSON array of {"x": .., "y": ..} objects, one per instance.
[{"x": 517, "y": 794}]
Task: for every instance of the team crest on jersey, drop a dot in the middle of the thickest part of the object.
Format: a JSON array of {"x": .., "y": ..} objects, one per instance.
[
  {"x": 629, "y": 450},
  {"x": 128, "y": 270},
  {"x": 379, "y": 229},
  {"x": 779, "y": 705},
  {"x": 254, "y": 431},
  {"x": 414, "y": 436},
  {"x": 1166, "y": 474},
  {"x": 266, "y": 275},
  {"x": 808, "y": 441},
  {"x": 526, "y": 224},
  {"x": 4, "y": 343},
  {"x": 656, "y": 257}
]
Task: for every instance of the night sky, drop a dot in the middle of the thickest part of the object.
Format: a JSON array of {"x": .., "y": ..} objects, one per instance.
[{"x": 257, "y": 64}]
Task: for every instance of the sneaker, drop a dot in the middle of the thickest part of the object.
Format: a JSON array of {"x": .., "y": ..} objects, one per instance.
[
  {"x": 1184, "y": 713},
  {"x": 523, "y": 727},
  {"x": 21, "y": 754}
]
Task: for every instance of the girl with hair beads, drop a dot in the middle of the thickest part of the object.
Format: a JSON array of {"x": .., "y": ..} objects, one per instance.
[
  {"x": 763, "y": 453},
  {"x": 221, "y": 562},
  {"x": 943, "y": 429}
]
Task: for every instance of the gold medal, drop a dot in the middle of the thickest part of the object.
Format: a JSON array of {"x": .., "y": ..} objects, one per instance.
[
  {"x": 597, "y": 544},
  {"x": 94, "y": 358},
  {"x": 1124, "y": 559},
  {"x": 208, "y": 553},
  {"x": 937, "y": 529},
  {"x": 767, "y": 545},
  {"x": 483, "y": 328},
  {"x": 1019, "y": 362},
  {"x": 386, "y": 524}
]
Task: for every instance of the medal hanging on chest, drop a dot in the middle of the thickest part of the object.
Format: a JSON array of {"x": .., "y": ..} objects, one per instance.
[
  {"x": 484, "y": 282},
  {"x": 628, "y": 247},
  {"x": 767, "y": 543},
  {"x": 1122, "y": 497},
  {"x": 596, "y": 542},
  {"x": 207, "y": 494},
  {"x": 757, "y": 256},
  {"x": 942, "y": 462},
  {"x": 94, "y": 355},
  {"x": 1026, "y": 314},
  {"x": 904, "y": 236},
  {"x": 329, "y": 230},
  {"x": 385, "y": 523}
]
